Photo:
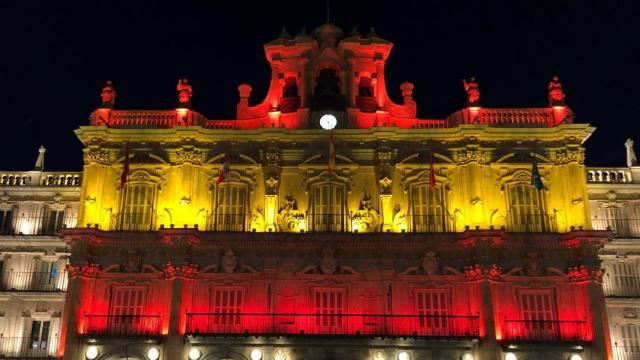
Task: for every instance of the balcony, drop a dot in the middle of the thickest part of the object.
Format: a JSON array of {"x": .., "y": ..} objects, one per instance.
[
  {"x": 260, "y": 324},
  {"x": 429, "y": 223},
  {"x": 27, "y": 348},
  {"x": 623, "y": 227},
  {"x": 545, "y": 330},
  {"x": 626, "y": 352},
  {"x": 35, "y": 225},
  {"x": 228, "y": 222},
  {"x": 122, "y": 325},
  {"x": 132, "y": 221},
  {"x": 531, "y": 223},
  {"x": 34, "y": 281},
  {"x": 289, "y": 104},
  {"x": 368, "y": 104}
]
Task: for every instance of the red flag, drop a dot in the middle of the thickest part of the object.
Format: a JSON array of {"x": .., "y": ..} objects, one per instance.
[
  {"x": 432, "y": 173},
  {"x": 125, "y": 170},
  {"x": 332, "y": 154},
  {"x": 226, "y": 167}
]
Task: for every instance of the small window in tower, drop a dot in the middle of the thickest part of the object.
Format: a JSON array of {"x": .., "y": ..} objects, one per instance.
[
  {"x": 290, "y": 101},
  {"x": 365, "y": 101}
]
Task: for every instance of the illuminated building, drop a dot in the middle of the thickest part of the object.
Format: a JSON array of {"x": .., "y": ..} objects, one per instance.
[
  {"x": 328, "y": 221},
  {"x": 614, "y": 194},
  {"x": 34, "y": 206}
]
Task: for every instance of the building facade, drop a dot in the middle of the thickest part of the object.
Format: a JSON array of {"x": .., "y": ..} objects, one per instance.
[{"x": 324, "y": 221}]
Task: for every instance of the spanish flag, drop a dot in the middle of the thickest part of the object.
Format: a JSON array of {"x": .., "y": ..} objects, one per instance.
[{"x": 226, "y": 167}]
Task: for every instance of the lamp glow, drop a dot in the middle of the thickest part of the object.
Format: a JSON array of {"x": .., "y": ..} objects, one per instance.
[
  {"x": 575, "y": 357},
  {"x": 510, "y": 356},
  {"x": 328, "y": 121},
  {"x": 91, "y": 353},
  {"x": 403, "y": 355},
  {"x": 194, "y": 354},
  {"x": 256, "y": 354},
  {"x": 467, "y": 356},
  {"x": 153, "y": 354}
]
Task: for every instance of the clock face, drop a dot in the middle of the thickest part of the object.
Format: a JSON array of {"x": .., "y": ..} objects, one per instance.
[{"x": 328, "y": 121}]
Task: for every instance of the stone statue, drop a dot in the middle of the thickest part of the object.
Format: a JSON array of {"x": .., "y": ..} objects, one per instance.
[
  {"x": 108, "y": 96},
  {"x": 556, "y": 95},
  {"x": 533, "y": 264},
  {"x": 229, "y": 261},
  {"x": 290, "y": 202},
  {"x": 132, "y": 262},
  {"x": 185, "y": 91},
  {"x": 328, "y": 262},
  {"x": 365, "y": 203},
  {"x": 473, "y": 92},
  {"x": 430, "y": 263}
]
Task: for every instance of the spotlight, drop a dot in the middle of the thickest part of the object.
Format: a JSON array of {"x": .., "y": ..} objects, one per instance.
[
  {"x": 153, "y": 354},
  {"x": 91, "y": 353},
  {"x": 466, "y": 356},
  {"x": 403, "y": 355},
  {"x": 575, "y": 357},
  {"x": 510, "y": 356},
  {"x": 256, "y": 354},
  {"x": 194, "y": 354}
]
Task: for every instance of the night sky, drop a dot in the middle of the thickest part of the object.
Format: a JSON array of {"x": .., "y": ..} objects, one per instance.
[{"x": 57, "y": 56}]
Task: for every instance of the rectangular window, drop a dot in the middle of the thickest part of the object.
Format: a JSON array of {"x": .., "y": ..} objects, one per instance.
[
  {"x": 428, "y": 208},
  {"x": 127, "y": 306},
  {"x": 226, "y": 305},
  {"x": 137, "y": 208},
  {"x": 630, "y": 336},
  {"x": 329, "y": 305},
  {"x": 538, "y": 311},
  {"x": 526, "y": 210},
  {"x": 433, "y": 308},
  {"x": 625, "y": 279},
  {"x": 6, "y": 222},
  {"x": 40, "y": 334},
  {"x": 328, "y": 205},
  {"x": 231, "y": 212},
  {"x": 54, "y": 221}
]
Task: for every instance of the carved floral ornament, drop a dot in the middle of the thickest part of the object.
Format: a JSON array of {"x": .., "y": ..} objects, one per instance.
[
  {"x": 189, "y": 155},
  {"x": 466, "y": 156},
  {"x": 96, "y": 155},
  {"x": 569, "y": 155}
]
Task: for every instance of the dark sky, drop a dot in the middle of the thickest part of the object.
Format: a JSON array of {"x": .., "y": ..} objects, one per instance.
[{"x": 56, "y": 56}]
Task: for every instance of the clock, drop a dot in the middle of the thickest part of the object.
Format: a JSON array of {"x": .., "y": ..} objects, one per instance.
[{"x": 328, "y": 121}]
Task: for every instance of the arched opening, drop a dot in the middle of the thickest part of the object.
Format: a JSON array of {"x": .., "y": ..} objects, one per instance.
[
  {"x": 290, "y": 97},
  {"x": 365, "y": 101}
]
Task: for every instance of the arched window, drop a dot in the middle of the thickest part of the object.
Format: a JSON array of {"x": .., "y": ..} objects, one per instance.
[
  {"x": 427, "y": 208},
  {"x": 231, "y": 210},
  {"x": 136, "y": 207},
  {"x": 328, "y": 207},
  {"x": 526, "y": 209},
  {"x": 290, "y": 101}
]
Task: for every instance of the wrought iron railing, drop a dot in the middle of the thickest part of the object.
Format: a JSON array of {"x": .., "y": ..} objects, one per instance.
[
  {"x": 28, "y": 348},
  {"x": 133, "y": 221},
  {"x": 116, "y": 325},
  {"x": 545, "y": 330},
  {"x": 628, "y": 352},
  {"x": 622, "y": 227},
  {"x": 531, "y": 223},
  {"x": 328, "y": 222},
  {"x": 430, "y": 223},
  {"x": 615, "y": 285},
  {"x": 40, "y": 281},
  {"x": 229, "y": 222},
  {"x": 442, "y": 326},
  {"x": 14, "y": 224}
]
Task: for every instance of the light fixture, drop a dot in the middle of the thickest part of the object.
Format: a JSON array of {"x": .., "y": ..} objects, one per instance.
[
  {"x": 510, "y": 356},
  {"x": 153, "y": 354},
  {"x": 575, "y": 357},
  {"x": 403, "y": 355},
  {"x": 194, "y": 354},
  {"x": 328, "y": 121},
  {"x": 379, "y": 355},
  {"x": 256, "y": 354},
  {"x": 466, "y": 356},
  {"x": 92, "y": 352}
]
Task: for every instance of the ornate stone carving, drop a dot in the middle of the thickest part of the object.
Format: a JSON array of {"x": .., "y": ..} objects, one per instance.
[
  {"x": 185, "y": 91},
  {"x": 430, "y": 263},
  {"x": 328, "y": 262},
  {"x": 629, "y": 313},
  {"x": 93, "y": 155},
  {"x": 532, "y": 265},
  {"x": 140, "y": 176},
  {"x": 386, "y": 155},
  {"x": 108, "y": 96},
  {"x": 556, "y": 94},
  {"x": 566, "y": 156},
  {"x": 385, "y": 185},
  {"x": 473, "y": 92},
  {"x": 189, "y": 155},
  {"x": 272, "y": 157},
  {"x": 581, "y": 273},
  {"x": 132, "y": 262},
  {"x": 280, "y": 354},
  {"x": 366, "y": 217},
  {"x": 229, "y": 261},
  {"x": 478, "y": 272},
  {"x": 271, "y": 184},
  {"x": 466, "y": 156},
  {"x": 41, "y": 306}
]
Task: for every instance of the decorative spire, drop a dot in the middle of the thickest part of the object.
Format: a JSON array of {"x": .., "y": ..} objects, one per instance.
[
  {"x": 284, "y": 34},
  {"x": 354, "y": 32},
  {"x": 39, "y": 166},
  {"x": 185, "y": 91},
  {"x": 556, "y": 94},
  {"x": 473, "y": 92},
  {"x": 372, "y": 32},
  {"x": 631, "y": 155}
]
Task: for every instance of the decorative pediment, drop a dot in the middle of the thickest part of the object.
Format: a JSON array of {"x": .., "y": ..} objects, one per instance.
[{"x": 189, "y": 155}]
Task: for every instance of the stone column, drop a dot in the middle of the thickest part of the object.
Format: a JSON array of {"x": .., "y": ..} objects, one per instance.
[
  {"x": 174, "y": 345},
  {"x": 489, "y": 345},
  {"x": 386, "y": 210},
  {"x": 70, "y": 345},
  {"x": 601, "y": 345}
]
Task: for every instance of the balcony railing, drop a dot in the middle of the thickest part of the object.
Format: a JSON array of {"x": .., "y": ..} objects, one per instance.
[
  {"x": 623, "y": 227},
  {"x": 328, "y": 222},
  {"x": 35, "y": 225},
  {"x": 28, "y": 348},
  {"x": 531, "y": 223},
  {"x": 40, "y": 281},
  {"x": 626, "y": 352},
  {"x": 367, "y": 104},
  {"x": 289, "y": 104},
  {"x": 117, "y": 325},
  {"x": 609, "y": 175},
  {"x": 430, "y": 223},
  {"x": 228, "y": 222},
  {"x": 545, "y": 330},
  {"x": 133, "y": 221},
  {"x": 332, "y": 324},
  {"x": 621, "y": 286}
]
